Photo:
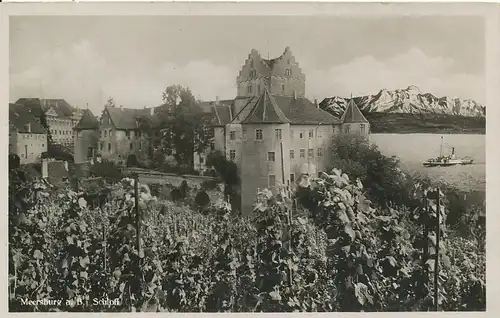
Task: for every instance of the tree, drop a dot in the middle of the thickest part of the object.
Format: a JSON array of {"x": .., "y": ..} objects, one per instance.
[
  {"x": 229, "y": 174},
  {"x": 184, "y": 127}
]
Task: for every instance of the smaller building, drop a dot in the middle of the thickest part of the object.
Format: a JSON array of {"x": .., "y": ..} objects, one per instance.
[
  {"x": 353, "y": 120},
  {"x": 86, "y": 138},
  {"x": 27, "y": 137}
]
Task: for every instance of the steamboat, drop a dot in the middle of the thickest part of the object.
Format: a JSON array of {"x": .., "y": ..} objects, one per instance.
[{"x": 449, "y": 160}]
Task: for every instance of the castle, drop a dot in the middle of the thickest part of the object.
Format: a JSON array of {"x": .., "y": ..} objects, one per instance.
[{"x": 270, "y": 130}]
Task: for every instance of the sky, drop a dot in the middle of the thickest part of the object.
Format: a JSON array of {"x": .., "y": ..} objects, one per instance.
[{"x": 86, "y": 59}]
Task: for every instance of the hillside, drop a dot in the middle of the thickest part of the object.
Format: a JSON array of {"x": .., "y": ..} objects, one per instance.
[{"x": 409, "y": 110}]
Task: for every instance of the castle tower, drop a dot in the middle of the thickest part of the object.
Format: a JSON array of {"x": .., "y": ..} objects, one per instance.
[
  {"x": 282, "y": 76},
  {"x": 353, "y": 120},
  {"x": 86, "y": 139},
  {"x": 266, "y": 136}
]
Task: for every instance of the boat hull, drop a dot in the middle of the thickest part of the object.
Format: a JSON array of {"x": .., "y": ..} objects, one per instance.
[{"x": 448, "y": 163}]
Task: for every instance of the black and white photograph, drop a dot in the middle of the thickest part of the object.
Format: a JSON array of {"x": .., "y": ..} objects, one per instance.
[{"x": 231, "y": 162}]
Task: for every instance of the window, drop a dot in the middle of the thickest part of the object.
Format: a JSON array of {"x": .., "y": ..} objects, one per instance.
[
  {"x": 278, "y": 133},
  {"x": 320, "y": 152},
  {"x": 131, "y": 146},
  {"x": 258, "y": 134},
  {"x": 127, "y": 133},
  {"x": 283, "y": 88},
  {"x": 271, "y": 156},
  {"x": 288, "y": 72},
  {"x": 202, "y": 159},
  {"x": 232, "y": 154},
  {"x": 212, "y": 146},
  {"x": 302, "y": 153},
  {"x": 319, "y": 133},
  {"x": 362, "y": 128},
  {"x": 272, "y": 180},
  {"x": 292, "y": 178},
  {"x": 101, "y": 146},
  {"x": 253, "y": 73},
  {"x": 244, "y": 134},
  {"x": 109, "y": 146},
  {"x": 347, "y": 128},
  {"x": 288, "y": 61},
  {"x": 311, "y": 153},
  {"x": 301, "y": 135},
  {"x": 292, "y": 154},
  {"x": 232, "y": 135},
  {"x": 43, "y": 145},
  {"x": 311, "y": 133},
  {"x": 105, "y": 133},
  {"x": 249, "y": 88}
]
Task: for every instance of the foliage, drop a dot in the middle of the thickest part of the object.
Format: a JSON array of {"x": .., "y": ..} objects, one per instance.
[
  {"x": 228, "y": 171},
  {"x": 59, "y": 152},
  {"x": 106, "y": 169},
  {"x": 184, "y": 127},
  {"x": 344, "y": 253},
  {"x": 132, "y": 161}
]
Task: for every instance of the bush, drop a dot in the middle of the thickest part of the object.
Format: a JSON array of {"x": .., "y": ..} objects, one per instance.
[
  {"x": 209, "y": 184},
  {"x": 202, "y": 199},
  {"x": 59, "y": 152},
  {"x": 106, "y": 169}
]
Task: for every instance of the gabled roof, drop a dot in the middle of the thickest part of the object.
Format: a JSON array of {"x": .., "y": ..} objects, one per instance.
[
  {"x": 33, "y": 105},
  {"x": 21, "y": 120},
  {"x": 126, "y": 118},
  {"x": 266, "y": 111},
  {"x": 352, "y": 114},
  {"x": 301, "y": 111},
  {"x": 88, "y": 121},
  {"x": 221, "y": 115},
  {"x": 60, "y": 106}
]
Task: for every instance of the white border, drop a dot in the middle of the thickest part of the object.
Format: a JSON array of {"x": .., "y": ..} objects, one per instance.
[{"x": 490, "y": 12}]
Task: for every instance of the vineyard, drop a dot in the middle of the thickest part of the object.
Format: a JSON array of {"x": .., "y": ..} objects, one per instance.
[{"x": 135, "y": 252}]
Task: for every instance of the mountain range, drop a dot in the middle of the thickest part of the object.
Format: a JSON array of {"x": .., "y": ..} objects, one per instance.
[{"x": 407, "y": 101}]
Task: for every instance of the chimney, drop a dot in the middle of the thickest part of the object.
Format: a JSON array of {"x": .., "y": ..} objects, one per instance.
[
  {"x": 316, "y": 103},
  {"x": 216, "y": 100},
  {"x": 294, "y": 94}
]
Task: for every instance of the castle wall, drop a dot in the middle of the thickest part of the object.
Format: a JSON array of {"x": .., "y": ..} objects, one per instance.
[
  {"x": 256, "y": 168},
  {"x": 319, "y": 144}
]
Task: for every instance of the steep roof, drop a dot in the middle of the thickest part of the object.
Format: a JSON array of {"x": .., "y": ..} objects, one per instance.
[
  {"x": 352, "y": 114},
  {"x": 301, "y": 111},
  {"x": 60, "y": 106},
  {"x": 21, "y": 119},
  {"x": 266, "y": 111},
  {"x": 88, "y": 121},
  {"x": 221, "y": 115},
  {"x": 32, "y": 104},
  {"x": 126, "y": 118}
]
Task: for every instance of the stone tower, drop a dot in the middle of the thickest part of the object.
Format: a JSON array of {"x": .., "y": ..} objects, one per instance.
[
  {"x": 282, "y": 76},
  {"x": 264, "y": 161}
]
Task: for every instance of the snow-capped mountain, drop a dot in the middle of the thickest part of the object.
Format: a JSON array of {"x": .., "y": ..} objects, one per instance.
[{"x": 410, "y": 101}]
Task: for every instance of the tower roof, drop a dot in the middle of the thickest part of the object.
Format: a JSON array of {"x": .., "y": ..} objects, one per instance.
[
  {"x": 266, "y": 111},
  {"x": 88, "y": 121},
  {"x": 352, "y": 114}
]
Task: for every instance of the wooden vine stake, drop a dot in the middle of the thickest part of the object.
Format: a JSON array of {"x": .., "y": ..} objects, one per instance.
[
  {"x": 436, "y": 263},
  {"x": 137, "y": 214}
]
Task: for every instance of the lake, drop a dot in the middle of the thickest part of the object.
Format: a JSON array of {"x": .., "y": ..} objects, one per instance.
[{"x": 413, "y": 149}]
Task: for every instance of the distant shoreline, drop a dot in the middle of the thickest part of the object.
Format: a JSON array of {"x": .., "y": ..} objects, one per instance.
[{"x": 402, "y": 123}]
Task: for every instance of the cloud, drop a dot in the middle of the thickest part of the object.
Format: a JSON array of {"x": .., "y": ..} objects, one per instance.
[
  {"x": 367, "y": 75},
  {"x": 80, "y": 74}
]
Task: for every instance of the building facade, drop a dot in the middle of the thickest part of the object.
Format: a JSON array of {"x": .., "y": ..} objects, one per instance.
[
  {"x": 27, "y": 137},
  {"x": 60, "y": 115}
]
